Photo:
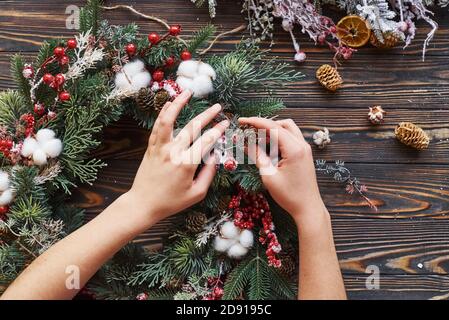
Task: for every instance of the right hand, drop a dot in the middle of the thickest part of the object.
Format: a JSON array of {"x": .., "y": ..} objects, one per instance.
[{"x": 293, "y": 183}]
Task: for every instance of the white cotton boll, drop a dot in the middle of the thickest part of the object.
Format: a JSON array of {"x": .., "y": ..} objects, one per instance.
[
  {"x": 4, "y": 180},
  {"x": 222, "y": 245},
  {"x": 202, "y": 86},
  {"x": 29, "y": 146},
  {"x": 229, "y": 230},
  {"x": 39, "y": 157},
  {"x": 44, "y": 135},
  {"x": 121, "y": 81},
  {"x": 52, "y": 148},
  {"x": 134, "y": 67},
  {"x": 246, "y": 238},
  {"x": 185, "y": 83},
  {"x": 188, "y": 69},
  {"x": 237, "y": 251},
  {"x": 206, "y": 69},
  {"x": 6, "y": 197},
  {"x": 141, "y": 80}
]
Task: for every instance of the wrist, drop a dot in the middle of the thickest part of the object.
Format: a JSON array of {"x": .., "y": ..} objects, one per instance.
[
  {"x": 138, "y": 214},
  {"x": 312, "y": 215}
]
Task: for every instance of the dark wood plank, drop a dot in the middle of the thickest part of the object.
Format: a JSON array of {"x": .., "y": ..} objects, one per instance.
[
  {"x": 21, "y": 24},
  {"x": 397, "y": 287}
]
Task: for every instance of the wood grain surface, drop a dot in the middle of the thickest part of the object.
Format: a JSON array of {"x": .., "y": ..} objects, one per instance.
[{"x": 408, "y": 237}]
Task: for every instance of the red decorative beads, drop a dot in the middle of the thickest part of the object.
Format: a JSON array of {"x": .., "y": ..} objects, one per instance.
[
  {"x": 29, "y": 121},
  {"x": 28, "y": 71},
  {"x": 215, "y": 287},
  {"x": 59, "y": 79},
  {"x": 71, "y": 43},
  {"x": 3, "y": 211},
  {"x": 158, "y": 75},
  {"x": 250, "y": 207},
  {"x": 48, "y": 78},
  {"x": 131, "y": 49},
  {"x": 64, "y": 60},
  {"x": 230, "y": 164},
  {"x": 59, "y": 52},
  {"x": 174, "y": 30},
  {"x": 64, "y": 96},
  {"x": 170, "y": 61},
  {"x": 154, "y": 38},
  {"x": 5, "y": 146},
  {"x": 186, "y": 55},
  {"x": 39, "y": 109}
]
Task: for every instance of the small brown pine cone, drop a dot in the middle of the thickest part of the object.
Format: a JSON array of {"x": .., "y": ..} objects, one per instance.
[
  {"x": 288, "y": 265},
  {"x": 195, "y": 222},
  {"x": 160, "y": 99},
  {"x": 329, "y": 77},
  {"x": 390, "y": 40},
  {"x": 412, "y": 135},
  {"x": 223, "y": 203},
  {"x": 145, "y": 99}
]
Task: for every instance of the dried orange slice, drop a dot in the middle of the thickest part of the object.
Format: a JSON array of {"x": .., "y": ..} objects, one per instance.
[{"x": 353, "y": 31}]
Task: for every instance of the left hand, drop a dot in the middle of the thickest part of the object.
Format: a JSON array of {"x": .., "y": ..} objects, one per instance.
[{"x": 165, "y": 182}]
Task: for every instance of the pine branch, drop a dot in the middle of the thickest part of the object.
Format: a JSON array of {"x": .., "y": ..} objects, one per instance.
[
  {"x": 90, "y": 16},
  {"x": 237, "y": 280},
  {"x": 201, "y": 37},
  {"x": 265, "y": 107},
  {"x": 12, "y": 106},
  {"x": 17, "y": 65}
]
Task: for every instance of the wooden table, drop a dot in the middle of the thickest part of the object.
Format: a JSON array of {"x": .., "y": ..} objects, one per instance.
[{"x": 408, "y": 238}]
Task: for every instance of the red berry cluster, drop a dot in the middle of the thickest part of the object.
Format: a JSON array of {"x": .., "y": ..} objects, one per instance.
[
  {"x": 215, "y": 284},
  {"x": 249, "y": 208},
  {"x": 28, "y": 120},
  {"x": 5, "y": 146}
]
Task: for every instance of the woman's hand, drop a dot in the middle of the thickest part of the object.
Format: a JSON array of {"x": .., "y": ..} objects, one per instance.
[
  {"x": 292, "y": 181},
  {"x": 166, "y": 182}
]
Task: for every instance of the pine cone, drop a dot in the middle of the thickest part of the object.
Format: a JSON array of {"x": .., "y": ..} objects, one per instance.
[
  {"x": 329, "y": 77},
  {"x": 160, "y": 99},
  {"x": 390, "y": 40},
  {"x": 145, "y": 99},
  {"x": 412, "y": 135},
  {"x": 195, "y": 222},
  {"x": 288, "y": 266}
]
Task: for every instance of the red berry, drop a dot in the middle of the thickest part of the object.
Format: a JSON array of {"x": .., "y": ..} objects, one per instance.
[
  {"x": 175, "y": 30},
  {"x": 71, "y": 43},
  {"x": 158, "y": 75},
  {"x": 59, "y": 52},
  {"x": 64, "y": 60},
  {"x": 51, "y": 115},
  {"x": 186, "y": 55},
  {"x": 154, "y": 38},
  {"x": 230, "y": 164},
  {"x": 59, "y": 79},
  {"x": 48, "y": 78},
  {"x": 170, "y": 61},
  {"x": 64, "y": 96},
  {"x": 131, "y": 49},
  {"x": 333, "y": 29},
  {"x": 4, "y": 209},
  {"x": 39, "y": 109}
]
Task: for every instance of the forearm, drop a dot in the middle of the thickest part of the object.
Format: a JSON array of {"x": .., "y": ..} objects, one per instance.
[
  {"x": 319, "y": 271},
  {"x": 86, "y": 249}
]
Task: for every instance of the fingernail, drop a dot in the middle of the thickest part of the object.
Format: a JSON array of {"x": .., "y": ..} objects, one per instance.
[
  {"x": 216, "y": 107},
  {"x": 225, "y": 123},
  {"x": 241, "y": 119}
]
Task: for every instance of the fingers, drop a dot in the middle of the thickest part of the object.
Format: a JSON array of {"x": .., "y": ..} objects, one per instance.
[
  {"x": 290, "y": 126},
  {"x": 154, "y": 131},
  {"x": 205, "y": 177},
  {"x": 285, "y": 140},
  {"x": 167, "y": 117},
  {"x": 193, "y": 129},
  {"x": 205, "y": 143}
]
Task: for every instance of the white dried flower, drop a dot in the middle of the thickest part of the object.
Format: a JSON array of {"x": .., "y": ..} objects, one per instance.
[{"x": 321, "y": 138}]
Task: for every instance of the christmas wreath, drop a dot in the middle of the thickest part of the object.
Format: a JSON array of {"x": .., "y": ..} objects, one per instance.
[{"x": 225, "y": 247}]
